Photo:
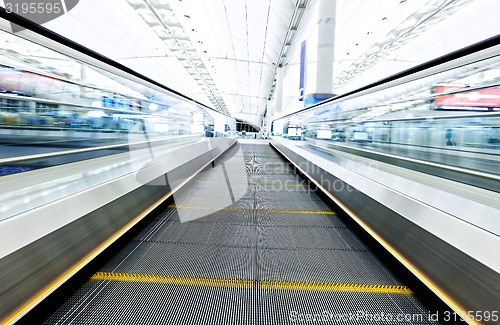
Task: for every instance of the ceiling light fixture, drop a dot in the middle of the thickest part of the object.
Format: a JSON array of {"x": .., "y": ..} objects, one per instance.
[{"x": 162, "y": 19}]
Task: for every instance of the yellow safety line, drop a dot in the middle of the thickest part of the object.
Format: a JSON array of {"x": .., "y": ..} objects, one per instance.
[
  {"x": 350, "y": 287},
  {"x": 444, "y": 296},
  {"x": 212, "y": 282},
  {"x": 245, "y": 283},
  {"x": 172, "y": 206}
]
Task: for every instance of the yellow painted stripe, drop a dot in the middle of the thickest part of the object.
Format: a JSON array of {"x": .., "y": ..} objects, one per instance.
[
  {"x": 212, "y": 282},
  {"x": 172, "y": 206},
  {"x": 420, "y": 275},
  {"x": 349, "y": 287},
  {"x": 295, "y": 211},
  {"x": 242, "y": 283},
  {"x": 286, "y": 184}
]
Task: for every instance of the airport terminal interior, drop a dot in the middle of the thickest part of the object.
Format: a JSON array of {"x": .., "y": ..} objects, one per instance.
[{"x": 249, "y": 162}]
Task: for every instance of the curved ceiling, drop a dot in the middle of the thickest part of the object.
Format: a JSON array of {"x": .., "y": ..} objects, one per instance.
[{"x": 224, "y": 53}]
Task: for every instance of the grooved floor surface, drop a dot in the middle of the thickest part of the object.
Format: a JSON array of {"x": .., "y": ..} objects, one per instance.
[{"x": 246, "y": 242}]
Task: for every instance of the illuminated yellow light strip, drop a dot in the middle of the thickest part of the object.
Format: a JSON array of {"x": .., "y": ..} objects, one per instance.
[
  {"x": 349, "y": 287},
  {"x": 211, "y": 282},
  {"x": 245, "y": 283},
  {"x": 15, "y": 316},
  {"x": 172, "y": 206},
  {"x": 421, "y": 276}
]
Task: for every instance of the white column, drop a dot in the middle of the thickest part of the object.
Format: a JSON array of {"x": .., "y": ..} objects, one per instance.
[
  {"x": 83, "y": 80},
  {"x": 324, "y": 63},
  {"x": 326, "y": 36},
  {"x": 32, "y": 106},
  {"x": 278, "y": 109},
  {"x": 219, "y": 126},
  {"x": 269, "y": 118}
]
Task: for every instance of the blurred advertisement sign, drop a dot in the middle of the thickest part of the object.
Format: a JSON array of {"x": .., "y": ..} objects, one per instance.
[{"x": 455, "y": 98}]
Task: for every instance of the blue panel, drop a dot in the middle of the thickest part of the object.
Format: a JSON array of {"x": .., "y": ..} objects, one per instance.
[
  {"x": 302, "y": 69},
  {"x": 309, "y": 101}
]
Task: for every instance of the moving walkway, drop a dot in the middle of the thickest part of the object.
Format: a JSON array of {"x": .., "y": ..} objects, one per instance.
[{"x": 246, "y": 241}]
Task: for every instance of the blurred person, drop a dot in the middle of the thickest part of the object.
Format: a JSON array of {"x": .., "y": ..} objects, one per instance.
[{"x": 449, "y": 138}]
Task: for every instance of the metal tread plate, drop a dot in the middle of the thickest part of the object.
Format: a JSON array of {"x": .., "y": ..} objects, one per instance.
[{"x": 235, "y": 248}]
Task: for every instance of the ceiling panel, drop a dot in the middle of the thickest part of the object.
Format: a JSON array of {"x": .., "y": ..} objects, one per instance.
[{"x": 232, "y": 47}]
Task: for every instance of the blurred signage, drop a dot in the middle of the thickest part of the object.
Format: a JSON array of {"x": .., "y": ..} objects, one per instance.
[
  {"x": 479, "y": 99},
  {"x": 116, "y": 102}
]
